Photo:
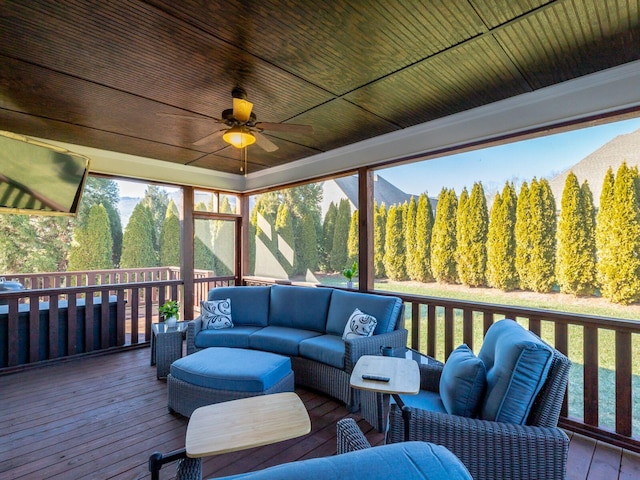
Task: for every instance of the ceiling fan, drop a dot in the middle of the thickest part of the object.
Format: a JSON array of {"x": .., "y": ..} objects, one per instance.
[{"x": 242, "y": 128}]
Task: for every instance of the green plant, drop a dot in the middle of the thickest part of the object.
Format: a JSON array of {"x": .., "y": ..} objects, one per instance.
[
  {"x": 349, "y": 273},
  {"x": 170, "y": 309}
]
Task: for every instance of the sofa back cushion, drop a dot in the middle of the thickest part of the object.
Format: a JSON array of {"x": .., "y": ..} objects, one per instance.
[
  {"x": 384, "y": 309},
  {"x": 517, "y": 364},
  {"x": 406, "y": 460},
  {"x": 299, "y": 307},
  {"x": 249, "y": 305}
]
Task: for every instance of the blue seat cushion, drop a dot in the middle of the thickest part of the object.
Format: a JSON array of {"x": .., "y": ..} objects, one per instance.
[
  {"x": 282, "y": 340},
  {"x": 249, "y": 305},
  {"x": 233, "y": 369},
  {"x": 406, "y": 460},
  {"x": 384, "y": 309},
  {"x": 327, "y": 349},
  {"x": 299, "y": 307},
  {"x": 237, "y": 336},
  {"x": 517, "y": 364},
  {"x": 424, "y": 400},
  {"x": 463, "y": 382}
]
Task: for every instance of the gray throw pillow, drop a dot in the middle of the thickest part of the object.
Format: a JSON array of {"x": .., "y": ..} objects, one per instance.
[{"x": 216, "y": 314}]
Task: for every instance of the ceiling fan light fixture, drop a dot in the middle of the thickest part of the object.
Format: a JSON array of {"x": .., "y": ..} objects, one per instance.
[{"x": 239, "y": 137}]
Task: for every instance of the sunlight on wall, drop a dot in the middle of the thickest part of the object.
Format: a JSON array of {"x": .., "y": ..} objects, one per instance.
[
  {"x": 266, "y": 264},
  {"x": 285, "y": 249},
  {"x": 264, "y": 225}
]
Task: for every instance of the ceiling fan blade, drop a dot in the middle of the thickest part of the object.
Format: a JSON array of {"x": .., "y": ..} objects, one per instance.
[
  {"x": 188, "y": 117},
  {"x": 242, "y": 109},
  {"x": 286, "y": 127},
  {"x": 264, "y": 143},
  {"x": 210, "y": 138}
]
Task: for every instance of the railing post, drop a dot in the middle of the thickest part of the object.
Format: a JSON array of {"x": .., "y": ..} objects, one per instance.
[{"x": 624, "y": 410}]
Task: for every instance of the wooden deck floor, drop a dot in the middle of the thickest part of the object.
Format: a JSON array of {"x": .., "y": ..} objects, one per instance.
[{"x": 101, "y": 418}]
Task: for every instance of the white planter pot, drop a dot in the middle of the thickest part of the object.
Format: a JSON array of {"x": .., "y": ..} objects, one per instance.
[{"x": 171, "y": 321}]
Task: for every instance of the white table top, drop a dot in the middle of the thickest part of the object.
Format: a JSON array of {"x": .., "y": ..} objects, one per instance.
[
  {"x": 403, "y": 373},
  {"x": 246, "y": 423}
]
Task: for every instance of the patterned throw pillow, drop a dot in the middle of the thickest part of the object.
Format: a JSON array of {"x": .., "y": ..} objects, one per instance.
[
  {"x": 216, "y": 314},
  {"x": 359, "y": 325}
]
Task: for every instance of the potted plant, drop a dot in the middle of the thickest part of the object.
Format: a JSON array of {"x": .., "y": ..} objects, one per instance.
[
  {"x": 170, "y": 311},
  {"x": 349, "y": 273}
]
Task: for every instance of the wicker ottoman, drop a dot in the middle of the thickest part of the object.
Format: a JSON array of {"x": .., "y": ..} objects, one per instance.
[{"x": 219, "y": 374}]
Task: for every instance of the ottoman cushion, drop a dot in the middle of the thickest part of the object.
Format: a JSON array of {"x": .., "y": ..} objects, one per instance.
[{"x": 234, "y": 369}]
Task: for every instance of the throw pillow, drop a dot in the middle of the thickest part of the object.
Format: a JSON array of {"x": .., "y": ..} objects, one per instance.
[
  {"x": 359, "y": 325},
  {"x": 463, "y": 383},
  {"x": 216, "y": 314}
]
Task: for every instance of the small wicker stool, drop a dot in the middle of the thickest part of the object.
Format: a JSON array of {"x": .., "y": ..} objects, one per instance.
[{"x": 220, "y": 374}]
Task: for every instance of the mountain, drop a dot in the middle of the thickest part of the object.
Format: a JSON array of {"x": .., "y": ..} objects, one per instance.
[{"x": 593, "y": 167}]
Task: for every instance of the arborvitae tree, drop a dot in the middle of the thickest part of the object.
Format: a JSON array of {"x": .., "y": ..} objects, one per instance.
[
  {"x": 286, "y": 241},
  {"x": 575, "y": 265},
  {"x": 623, "y": 284},
  {"x": 379, "y": 235},
  {"x": 523, "y": 242},
  {"x": 353, "y": 241},
  {"x": 203, "y": 257},
  {"x": 137, "y": 244},
  {"x": 170, "y": 238},
  {"x": 156, "y": 200},
  {"x": 443, "y": 238},
  {"x": 223, "y": 233},
  {"x": 92, "y": 249},
  {"x": 501, "y": 241},
  {"x": 542, "y": 234},
  {"x": 328, "y": 230},
  {"x": 309, "y": 242},
  {"x": 462, "y": 241},
  {"x": 424, "y": 229},
  {"x": 394, "y": 252},
  {"x": 339, "y": 258},
  {"x": 473, "y": 224},
  {"x": 605, "y": 248},
  {"x": 411, "y": 241}
]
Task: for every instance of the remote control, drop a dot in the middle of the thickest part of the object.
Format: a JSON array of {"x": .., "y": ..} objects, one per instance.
[{"x": 377, "y": 378}]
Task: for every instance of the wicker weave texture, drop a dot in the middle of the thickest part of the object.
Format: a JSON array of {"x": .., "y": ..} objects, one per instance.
[
  {"x": 350, "y": 437},
  {"x": 184, "y": 397}
]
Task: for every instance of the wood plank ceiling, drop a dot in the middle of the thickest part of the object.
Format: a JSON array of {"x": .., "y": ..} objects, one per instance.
[{"x": 98, "y": 73}]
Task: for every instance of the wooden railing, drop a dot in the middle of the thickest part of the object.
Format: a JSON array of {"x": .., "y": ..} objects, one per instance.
[
  {"x": 599, "y": 401},
  {"x": 33, "y": 320}
]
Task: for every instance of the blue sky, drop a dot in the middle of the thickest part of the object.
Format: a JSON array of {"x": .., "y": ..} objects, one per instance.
[{"x": 542, "y": 157}]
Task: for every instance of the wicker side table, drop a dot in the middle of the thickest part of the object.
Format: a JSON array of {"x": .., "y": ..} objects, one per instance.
[{"x": 166, "y": 346}]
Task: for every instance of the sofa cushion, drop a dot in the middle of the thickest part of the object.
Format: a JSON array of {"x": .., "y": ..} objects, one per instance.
[
  {"x": 282, "y": 340},
  {"x": 216, "y": 314},
  {"x": 359, "y": 325},
  {"x": 463, "y": 382},
  {"x": 407, "y": 460},
  {"x": 250, "y": 304},
  {"x": 327, "y": 349},
  {"x": 424, "y": 400},
  {"x": 237, "y": 337},
  {"x": 299, "y": 307},
  {"x": 385, "y": 309},
  {"x": 517, "y": 364},
  {"x": 233, "y": 369}
]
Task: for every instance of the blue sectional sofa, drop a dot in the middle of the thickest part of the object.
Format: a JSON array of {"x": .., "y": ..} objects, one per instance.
[{"x": 307, "y": 325}]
